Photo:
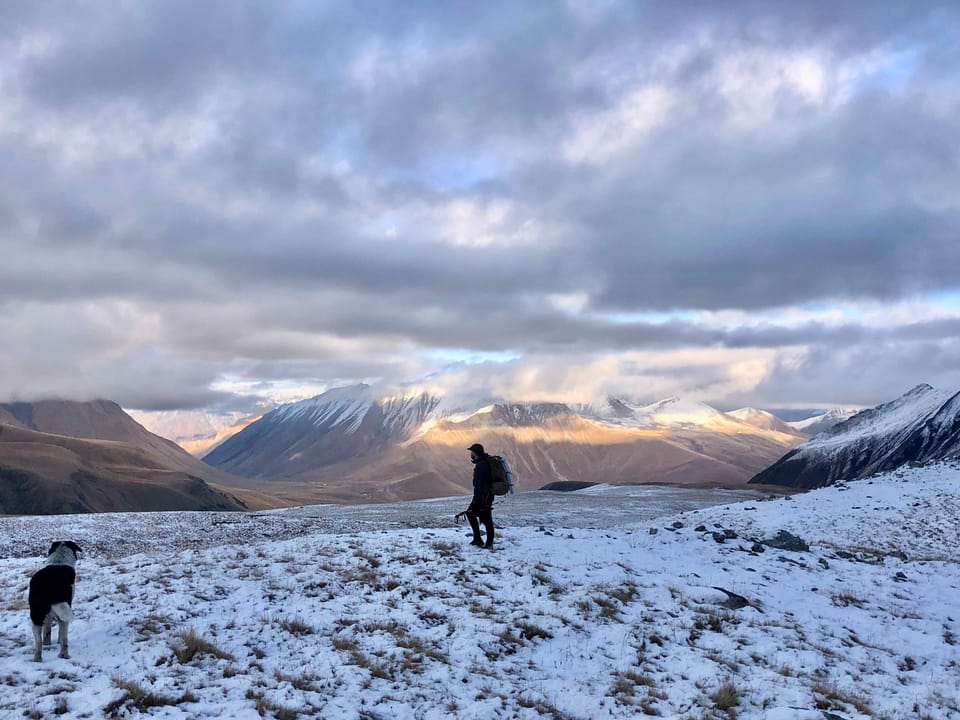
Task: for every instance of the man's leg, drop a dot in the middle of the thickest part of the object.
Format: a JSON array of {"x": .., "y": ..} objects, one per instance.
[
  {"x": 475, "y": 526},
  {"x": 487, "y": 517}
]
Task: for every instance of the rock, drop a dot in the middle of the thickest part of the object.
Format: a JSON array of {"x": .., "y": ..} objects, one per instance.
[
  {"x": 729, "y": 534},
  {"x": 677, "y": 525},
  {"x": 719, "y": 537},
  {"x": 700, "y": 528},
  {"x": 653, "y": 531},
  {"x": 733, "y": 601},
  {"x": 784, "y": 540},
  {"x": 757, "y": 548},
  {"x": 824, "y": 563}
]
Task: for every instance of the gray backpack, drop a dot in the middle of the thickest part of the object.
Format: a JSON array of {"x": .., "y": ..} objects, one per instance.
[{"x": 502, "y": 475}]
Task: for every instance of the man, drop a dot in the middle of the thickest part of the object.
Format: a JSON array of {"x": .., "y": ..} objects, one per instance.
[{"x": 481, "y": 507}]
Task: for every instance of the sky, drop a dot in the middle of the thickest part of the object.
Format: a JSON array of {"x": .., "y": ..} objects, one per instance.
[{"x": 209, "y": 206}]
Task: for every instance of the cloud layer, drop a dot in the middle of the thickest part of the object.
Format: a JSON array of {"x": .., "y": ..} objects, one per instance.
[{"x": 207, "y": 204}]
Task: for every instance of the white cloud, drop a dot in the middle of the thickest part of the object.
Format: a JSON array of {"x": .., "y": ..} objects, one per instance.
[{"x": 601, "y": 136}]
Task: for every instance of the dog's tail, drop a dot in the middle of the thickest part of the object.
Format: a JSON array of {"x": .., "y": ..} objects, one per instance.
[{"x": 63, "y": 611}]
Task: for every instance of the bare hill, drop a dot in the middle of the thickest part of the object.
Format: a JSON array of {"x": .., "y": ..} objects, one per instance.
[{"x": 42, "y": 473}]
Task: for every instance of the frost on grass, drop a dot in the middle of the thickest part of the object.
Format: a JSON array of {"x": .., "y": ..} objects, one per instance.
[{"x": 575, "y": 623}]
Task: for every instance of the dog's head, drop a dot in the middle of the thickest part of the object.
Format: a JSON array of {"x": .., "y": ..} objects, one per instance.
[{"x": 63, "y": 552}]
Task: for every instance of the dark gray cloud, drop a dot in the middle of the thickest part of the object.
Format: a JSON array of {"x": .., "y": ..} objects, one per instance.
[{"x": 332, "y": 192}]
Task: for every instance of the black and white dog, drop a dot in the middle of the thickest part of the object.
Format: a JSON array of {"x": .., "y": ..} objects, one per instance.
[{"x": 51, "y": 595}]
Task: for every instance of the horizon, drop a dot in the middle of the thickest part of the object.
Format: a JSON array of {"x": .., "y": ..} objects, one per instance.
[{"x": 218, "y": 208}]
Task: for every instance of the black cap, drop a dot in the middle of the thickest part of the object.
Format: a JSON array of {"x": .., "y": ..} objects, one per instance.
[{"x": 476, "y": 448}]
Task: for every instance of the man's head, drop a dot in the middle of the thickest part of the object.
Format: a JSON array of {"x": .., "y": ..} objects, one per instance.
[{"x": 476, "y": 451}]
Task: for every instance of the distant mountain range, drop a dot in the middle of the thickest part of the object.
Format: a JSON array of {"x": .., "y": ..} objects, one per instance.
[
  {"x": 350, "y": 444},
  {"x": 65, "y": 457},
  {"x": 353, "y": 444},
  {"x": 922, "y": 425}
]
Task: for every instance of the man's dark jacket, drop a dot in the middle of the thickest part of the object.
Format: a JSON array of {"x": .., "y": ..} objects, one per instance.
[{"x": 482, "y": 486}]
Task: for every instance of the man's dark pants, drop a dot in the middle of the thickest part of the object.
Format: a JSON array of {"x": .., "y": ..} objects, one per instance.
[{"x": 485, "y": 516}]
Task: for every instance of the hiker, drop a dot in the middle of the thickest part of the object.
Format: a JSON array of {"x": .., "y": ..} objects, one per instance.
[{"x": 481, "y": 507}]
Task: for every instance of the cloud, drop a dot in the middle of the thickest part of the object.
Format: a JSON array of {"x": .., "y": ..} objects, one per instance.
[{"x": 301, "y": 194}]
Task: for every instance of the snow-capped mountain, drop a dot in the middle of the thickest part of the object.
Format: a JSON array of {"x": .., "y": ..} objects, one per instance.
[
  {"x": 764, "y": 420},
  {"x": 354, "y": 444},
  {"x": 818, "y": 423},
  {"x": 196, "y": 431},
  {"x": 671, "y": 412},
  {"x": 920, "y": 426},
  {"x": 337, "y": 426}
]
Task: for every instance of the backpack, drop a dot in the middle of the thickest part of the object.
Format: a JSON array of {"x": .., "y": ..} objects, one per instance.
[{"x": 502, "y": 475}]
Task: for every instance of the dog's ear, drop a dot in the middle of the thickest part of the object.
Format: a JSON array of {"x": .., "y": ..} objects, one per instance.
[
  {"x": 54, "y": 546},
  {"x": 73, "y": 546}
]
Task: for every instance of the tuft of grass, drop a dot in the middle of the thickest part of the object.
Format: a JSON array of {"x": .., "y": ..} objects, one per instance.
[
  {"x": 530, "y": 631},
  {"x": 296, "y": 626},
  {"x": 446, "y": 549},
  {"x": 542, "y": 708},
  {"x": 846, "y": 600},
  {"x": 192, "y": 644},
  {"x": 266, "y": 708},
  {"x": 304, "y": 683},
  {"x": 136, "y": 697},
  {"x": 627, "y": 683},
  {"x": 726, "y": 698},
  {"x": 833, "y": 698}
]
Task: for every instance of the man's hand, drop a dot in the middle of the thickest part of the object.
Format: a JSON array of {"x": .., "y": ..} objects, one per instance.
[{"x": 460, "y": 517}]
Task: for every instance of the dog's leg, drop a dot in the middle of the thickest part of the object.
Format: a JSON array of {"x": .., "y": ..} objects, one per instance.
[
  {"x": 48, "y": 630},
  {"x": 62, "y": 636},
  {"x": 37, "y": 644},
  {"x": 64, "y": 614}
]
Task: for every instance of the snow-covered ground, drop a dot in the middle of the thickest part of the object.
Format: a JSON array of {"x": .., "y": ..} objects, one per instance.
[{"x": 590, "y": 607}]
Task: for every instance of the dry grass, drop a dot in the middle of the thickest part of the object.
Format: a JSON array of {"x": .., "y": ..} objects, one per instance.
[
  {"x": 726, "y": 698},
  {"x": 266, "y": 708},
  {"x": 542, "y": 708},
  {"x": 846, "y": 600},
  {"x": 833, "y": 698},
  {"x": 191, "y": 644},
  {"x": 296, "y": 626},
  {"x": 136, "y": 697}
]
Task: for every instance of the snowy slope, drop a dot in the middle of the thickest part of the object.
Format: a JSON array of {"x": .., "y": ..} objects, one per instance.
[
  {"x": 671, "y": 412},
  {"x": 920, "y": 426},
  {"x": 762, "y": 419},
  {"x": 287, "y": 615},
  {"x": 818, "y": 423}
]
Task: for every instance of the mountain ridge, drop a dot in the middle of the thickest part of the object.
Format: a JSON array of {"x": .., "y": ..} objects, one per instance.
[
  {"x": 74, "y": 456},
  {"x": 920, "y": 426},
  {"x": 354, "y": 444}
]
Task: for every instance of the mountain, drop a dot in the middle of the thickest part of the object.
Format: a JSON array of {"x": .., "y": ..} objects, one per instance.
[
  {"x": 350, "y": 444},
  {"x": 818, "y": 423},
  {"x": 337, "y": 426},
  {"x": 765, "y": 421},
  {"x": 920, "y": 426},
  {"x": 66, "y": 456},
  {"x": 42, "y": 474},
  {"x": 196, "y": 431}
]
